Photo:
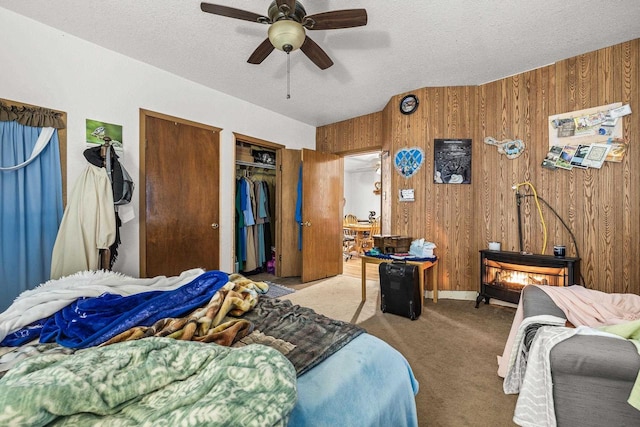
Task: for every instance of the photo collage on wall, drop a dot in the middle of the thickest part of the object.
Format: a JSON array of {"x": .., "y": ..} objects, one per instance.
[{"x": 586, "y": 138}]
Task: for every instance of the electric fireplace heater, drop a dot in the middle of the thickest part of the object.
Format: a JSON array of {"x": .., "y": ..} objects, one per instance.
[{"x": 504, "y": 274}]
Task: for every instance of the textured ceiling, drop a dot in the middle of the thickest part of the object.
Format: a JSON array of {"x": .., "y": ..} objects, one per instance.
[
  {"x": 406, "y": 45},
  {"x": 367, "y": 162}
]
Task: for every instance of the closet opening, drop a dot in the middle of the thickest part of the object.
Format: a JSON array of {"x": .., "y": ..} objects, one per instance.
[
  {"x": 307, "y": 239},
  {"x": 255, "y": 206}
]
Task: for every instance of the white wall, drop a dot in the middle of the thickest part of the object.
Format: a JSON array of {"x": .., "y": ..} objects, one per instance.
[
  {"x": 46, "y": 67},
  {"x": 358, "y": 192}
]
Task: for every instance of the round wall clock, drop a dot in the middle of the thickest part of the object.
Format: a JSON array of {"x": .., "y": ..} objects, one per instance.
[{"x": 409, "y": 104}]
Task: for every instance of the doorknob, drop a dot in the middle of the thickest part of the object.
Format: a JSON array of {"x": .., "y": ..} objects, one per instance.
[{"x": 215, "y": 225}]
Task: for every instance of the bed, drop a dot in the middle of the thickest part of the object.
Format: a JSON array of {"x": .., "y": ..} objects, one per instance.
[{"x": 201, "y": 348}]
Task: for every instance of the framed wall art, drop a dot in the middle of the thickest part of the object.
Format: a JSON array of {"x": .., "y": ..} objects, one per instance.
[
  {"x": 452, "y": 161},
  {"x": 96, "y": 131}
]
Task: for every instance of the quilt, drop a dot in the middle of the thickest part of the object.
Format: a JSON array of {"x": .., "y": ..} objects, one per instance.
[{"x": 151, "y": 382}]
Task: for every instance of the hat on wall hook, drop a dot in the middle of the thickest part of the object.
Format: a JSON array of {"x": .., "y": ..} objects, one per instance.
[{"x": 512, "y": 148}]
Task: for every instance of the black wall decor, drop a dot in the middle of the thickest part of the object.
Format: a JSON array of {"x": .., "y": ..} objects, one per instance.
[{"x": 452, "y": 161}]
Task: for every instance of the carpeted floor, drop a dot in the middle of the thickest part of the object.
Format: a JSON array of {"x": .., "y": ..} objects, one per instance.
[{"x": 452, "y": 348}]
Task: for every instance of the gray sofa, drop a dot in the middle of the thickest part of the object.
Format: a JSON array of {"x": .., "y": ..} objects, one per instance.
[{"x": 592, "y": 375}]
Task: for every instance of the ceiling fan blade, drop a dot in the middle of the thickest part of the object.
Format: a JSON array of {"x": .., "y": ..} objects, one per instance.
[
  {"x": 286, "y": 6},
  {"x": 261, "y": 52},
  {"x": 231, "y": 12},
  {"x": 316, "y": 54},
  {"x": 335, "y": 19}
]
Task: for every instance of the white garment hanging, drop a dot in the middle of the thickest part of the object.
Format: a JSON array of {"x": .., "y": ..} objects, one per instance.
[
  {"x": 41, "y": 143},
  {"x": 88, "y": 224}
]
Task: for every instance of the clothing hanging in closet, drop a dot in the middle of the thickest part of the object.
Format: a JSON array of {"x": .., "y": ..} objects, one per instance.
[{"x": 253, "y": 221}]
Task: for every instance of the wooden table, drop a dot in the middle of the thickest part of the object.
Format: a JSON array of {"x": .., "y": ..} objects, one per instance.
[
  {"x": 430, "y": 266},
  {"x": 360, "y": 230}
]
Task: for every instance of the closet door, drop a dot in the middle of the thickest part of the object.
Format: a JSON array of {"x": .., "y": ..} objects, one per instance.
[
  {"x": 323, "y": 179},
  {"x": 288, "y": 257},
  {"x": 181, "y": 196}
]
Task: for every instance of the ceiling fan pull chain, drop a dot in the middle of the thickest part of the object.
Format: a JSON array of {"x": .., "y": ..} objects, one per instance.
[{"x": 288, "y": 75}]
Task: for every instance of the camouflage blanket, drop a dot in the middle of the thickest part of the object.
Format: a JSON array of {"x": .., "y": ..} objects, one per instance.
[{"x": 151, "y": 382}]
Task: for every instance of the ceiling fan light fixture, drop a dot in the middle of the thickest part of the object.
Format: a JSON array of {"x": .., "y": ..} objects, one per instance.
[{"x": 286, "y": 35}]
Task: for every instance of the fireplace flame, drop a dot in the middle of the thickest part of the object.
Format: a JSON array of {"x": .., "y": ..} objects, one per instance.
[{"x": 519, "y": 279}]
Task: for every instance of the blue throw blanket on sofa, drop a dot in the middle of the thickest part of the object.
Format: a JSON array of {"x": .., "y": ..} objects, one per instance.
[{"x": 88, "y": 322}]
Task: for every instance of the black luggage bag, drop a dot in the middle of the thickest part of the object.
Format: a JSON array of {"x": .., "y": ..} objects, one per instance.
[{"x": 400, "y": 289}]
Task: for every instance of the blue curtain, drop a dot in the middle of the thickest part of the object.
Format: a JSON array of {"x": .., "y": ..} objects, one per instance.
[{"x": 30, "y": 209}]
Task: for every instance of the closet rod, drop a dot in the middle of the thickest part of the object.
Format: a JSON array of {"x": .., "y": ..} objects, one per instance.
[{"x": 256, "y": 165}]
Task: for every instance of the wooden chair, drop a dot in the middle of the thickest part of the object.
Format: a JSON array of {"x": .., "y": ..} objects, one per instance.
[
  {"x": 350, "y": 219},
  {"x": 375, "y": 230},
  {"x": 348, "y": 236}
]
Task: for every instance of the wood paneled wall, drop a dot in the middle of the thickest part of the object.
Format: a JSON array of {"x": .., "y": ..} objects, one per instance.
[
  {"x": 362, "y": 133},
  {"x": 601, "y": 207}
]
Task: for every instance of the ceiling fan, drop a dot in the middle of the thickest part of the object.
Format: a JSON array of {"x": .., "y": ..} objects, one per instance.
[{"x": 288, "y": 21}]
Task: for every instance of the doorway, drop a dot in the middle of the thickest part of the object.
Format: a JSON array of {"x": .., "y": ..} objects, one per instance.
[
  {"x": 362, "y": 185},
  {"x": 362, "y": 204}
]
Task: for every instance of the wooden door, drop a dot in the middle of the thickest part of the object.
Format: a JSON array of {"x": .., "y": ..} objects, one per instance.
[
  {"x": 288, "y": 256},
  {"x": 179, "y": 195},
  {"x": 322, "y": 194}
]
